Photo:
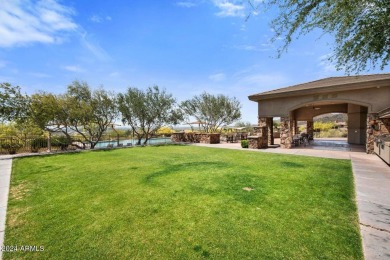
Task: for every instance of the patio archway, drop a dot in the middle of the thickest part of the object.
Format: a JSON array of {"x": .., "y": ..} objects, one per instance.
[{"x": 364, "y": 98}]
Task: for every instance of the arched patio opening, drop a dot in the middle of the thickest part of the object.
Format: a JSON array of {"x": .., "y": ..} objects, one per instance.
[{"x": 365, "y": 99}]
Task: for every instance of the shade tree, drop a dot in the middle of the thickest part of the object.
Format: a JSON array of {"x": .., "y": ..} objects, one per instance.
[
  {"x": 146, "y": 111},
  {"x": 211, "y": 112},
  {"x": 361, "y": 29}
]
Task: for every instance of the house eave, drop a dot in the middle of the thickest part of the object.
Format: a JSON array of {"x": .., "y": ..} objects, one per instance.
[{"x": 321, "y": 90}]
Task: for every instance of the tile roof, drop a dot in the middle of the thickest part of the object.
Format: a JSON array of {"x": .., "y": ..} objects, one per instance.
[{"x": 325, "y": 83}]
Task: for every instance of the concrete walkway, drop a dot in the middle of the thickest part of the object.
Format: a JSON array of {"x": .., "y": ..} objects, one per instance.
[
  {"x": 372, "y": 184},
  {"x": 5, "y": 177}
]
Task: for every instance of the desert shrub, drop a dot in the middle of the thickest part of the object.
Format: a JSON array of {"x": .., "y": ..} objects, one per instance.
[
  {"x": 334, "y": 133},
  {"x": 60, "y": 141},
  {"x": 167, "y": 131},
  {"x": 244, "y": 143},
  {"x": 324, "y": 126},
  {"x": 11, "y": 147},
  {"x": 37, "y": 143}
]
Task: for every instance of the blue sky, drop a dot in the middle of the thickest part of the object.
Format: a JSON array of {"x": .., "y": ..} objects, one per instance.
[{"x": 184, "y": 46}]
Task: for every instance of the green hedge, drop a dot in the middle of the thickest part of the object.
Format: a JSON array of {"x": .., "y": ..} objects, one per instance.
[{"x": 244, "y": 143}]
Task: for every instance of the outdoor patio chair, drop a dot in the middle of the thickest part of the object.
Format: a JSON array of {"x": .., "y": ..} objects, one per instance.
[{"x": 296, "y": 140}]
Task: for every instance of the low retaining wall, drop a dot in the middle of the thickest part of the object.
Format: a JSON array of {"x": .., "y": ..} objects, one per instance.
[
  {"x": 257, "y": 142},
  {"x": 196, "y": 138}
]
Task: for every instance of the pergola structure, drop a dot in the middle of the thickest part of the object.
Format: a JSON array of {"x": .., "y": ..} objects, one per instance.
[{"x": 365, "y": 98}]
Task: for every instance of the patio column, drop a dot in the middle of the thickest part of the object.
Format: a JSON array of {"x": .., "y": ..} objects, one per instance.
[
  {"x": 264, "y": 124},
  {"x": 268, "y": 122},
  {"x": 286, "y": 132},
  {"x": 372, "y": 131},
  {"x": 270, "y": 125},
  {"x": 310, "y": 129},
  {"x": 375, "y": 126},
  {"x": 294, "y": 126}
]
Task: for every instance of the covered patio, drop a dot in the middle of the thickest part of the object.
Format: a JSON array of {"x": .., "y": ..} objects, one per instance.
[{"x": 365, "y": 99}]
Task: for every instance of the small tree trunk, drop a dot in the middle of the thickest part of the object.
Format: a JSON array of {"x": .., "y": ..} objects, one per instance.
[{"x": 49, "y": 143}]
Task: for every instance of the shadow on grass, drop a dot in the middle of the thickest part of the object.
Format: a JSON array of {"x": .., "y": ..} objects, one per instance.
[
  {"x": 176, "y": 168},
  {"x": 219, "y": 181},
  {"x": 292, "y": 164}
]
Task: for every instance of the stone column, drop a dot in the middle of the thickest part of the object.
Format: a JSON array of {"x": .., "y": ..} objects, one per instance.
[
  {"x": 375, "y": 126},
  {"x": 372, "y": 131},
  {"x": 293, "y": 127},
  {"x": 264, "y": 124},
  {"x": 268, "y": 122},
  {"x": 285, "y": 132},
  {"x": 310, "y": 129},
  {"x": 270, "y": 126}
]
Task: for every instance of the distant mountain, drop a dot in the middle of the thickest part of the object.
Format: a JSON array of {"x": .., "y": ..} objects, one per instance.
[{"x": 334, "y": 117}]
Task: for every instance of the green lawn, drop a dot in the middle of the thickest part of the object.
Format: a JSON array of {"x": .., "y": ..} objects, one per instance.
[{"x": 183, "y": 202}]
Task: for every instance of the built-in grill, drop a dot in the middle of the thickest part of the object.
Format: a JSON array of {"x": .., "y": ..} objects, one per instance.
[{"x": 382, "y": 147}]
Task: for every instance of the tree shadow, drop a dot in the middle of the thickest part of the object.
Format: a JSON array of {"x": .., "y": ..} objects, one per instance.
[
  {"x": 292, "y": 164},
  {"x": 177, "y": 168}
]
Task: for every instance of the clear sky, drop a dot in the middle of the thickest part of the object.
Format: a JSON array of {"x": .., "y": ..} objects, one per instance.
[{"x": 184, "y": 46}]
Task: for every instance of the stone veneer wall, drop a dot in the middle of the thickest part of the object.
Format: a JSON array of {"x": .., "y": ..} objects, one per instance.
[
  {"x": 259, "y": 139},
  {"x": 285, "y": 132},
  {"x": 257, "y": 142},
  {"x": 270, "y": 125},
  {"x": 375, "y": 126},
  {"x": 177, "y": 137},
  {"x": 209, "y": 138},
  {"x": 310, "y": 129},
  {"x": 196, "y": 138}
]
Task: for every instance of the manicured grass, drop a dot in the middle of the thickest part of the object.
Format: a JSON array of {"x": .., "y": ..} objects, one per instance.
[{"x": 183, "y": 202}]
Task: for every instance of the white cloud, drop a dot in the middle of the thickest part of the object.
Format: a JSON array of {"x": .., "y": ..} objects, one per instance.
[
  {"x": 229, "y": 8},
  {"x": 261, "y": 47},
  {"x": 326, "y": 65},
  {"x": 25, "y": 21},
  {"x": 217, "y": 77},
  {"x": 73, "y": 68},
  {"x": 2, "y": 64},
  {"x": 256, "y": 78},
  {"x": 39, "y": 75},
  {"x": 99, "y": 19},
  {"x": 114, "y": 74},
  {"x": 95, "y": 19},
  {"x": 94, "y": 48},
  {"x": 265, "y": 80},
  {"x": 187, "y": 4}
]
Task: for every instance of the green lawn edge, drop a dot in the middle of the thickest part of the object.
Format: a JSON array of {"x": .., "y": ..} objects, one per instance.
[{"x": 183, "y": 202}]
